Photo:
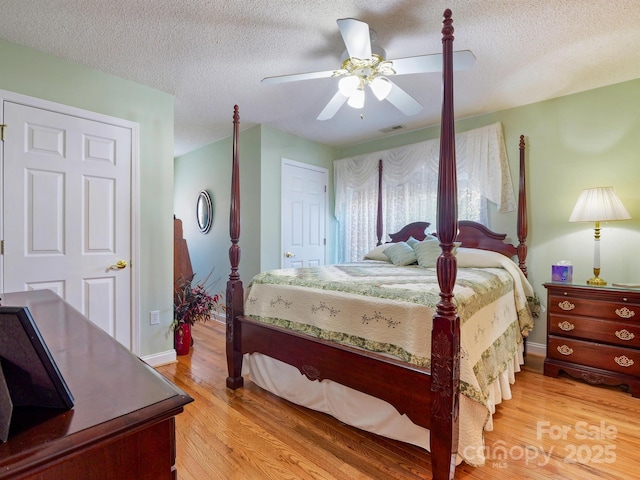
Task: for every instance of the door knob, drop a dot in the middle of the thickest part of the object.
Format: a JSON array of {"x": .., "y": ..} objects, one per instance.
[
  {"x": 119, "y": 265},
  {"x": 289, "y": 254}
]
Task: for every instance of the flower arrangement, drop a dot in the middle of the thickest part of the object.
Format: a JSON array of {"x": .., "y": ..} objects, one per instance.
[{"x": 193, "y": 303}]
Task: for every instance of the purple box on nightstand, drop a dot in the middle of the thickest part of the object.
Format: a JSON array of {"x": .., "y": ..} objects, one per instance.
[{"x": 562, "y": 273}]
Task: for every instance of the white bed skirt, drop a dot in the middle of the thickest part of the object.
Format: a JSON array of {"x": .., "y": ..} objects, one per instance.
[{"x": 377, "y": 416}]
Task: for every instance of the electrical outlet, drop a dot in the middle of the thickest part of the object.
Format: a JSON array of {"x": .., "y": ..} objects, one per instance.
[{"x": 155, "y": 317}]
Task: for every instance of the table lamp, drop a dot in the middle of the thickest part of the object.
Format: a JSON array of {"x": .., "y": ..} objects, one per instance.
[{"x": 600, "y": 204}]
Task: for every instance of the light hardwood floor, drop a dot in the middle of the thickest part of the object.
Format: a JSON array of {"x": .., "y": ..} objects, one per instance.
[{"x": 551, "y": 429}]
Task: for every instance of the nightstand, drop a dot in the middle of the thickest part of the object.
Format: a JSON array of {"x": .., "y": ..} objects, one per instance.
[{"x": 593, "y": 333}]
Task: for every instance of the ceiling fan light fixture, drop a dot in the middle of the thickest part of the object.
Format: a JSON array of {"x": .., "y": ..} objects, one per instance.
[
  {"x": 348, "y": 85},
  {"x": 381, "y": 87},
  {"x": 356, "y": 100},
  {"x": 363, "y": 62},
  {"x": 377, "y": 50}
]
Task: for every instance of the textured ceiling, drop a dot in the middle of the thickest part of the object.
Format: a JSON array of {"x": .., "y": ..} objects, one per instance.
[{"x": 212, "y": 54}]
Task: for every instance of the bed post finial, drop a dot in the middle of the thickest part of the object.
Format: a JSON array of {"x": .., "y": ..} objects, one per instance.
[
  {"x": 447, "y": 28},
  {"x": 522, "y": 212},
  {"x": 445, "y": 337},
  {"x": 235, "y": 293}
]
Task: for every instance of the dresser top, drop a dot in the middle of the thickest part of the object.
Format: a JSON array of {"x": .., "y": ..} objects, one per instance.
[
  {"x": 114, "y": 390},
  {"x": 608, "y": 292},
  {"x": 626, "y": 288}
]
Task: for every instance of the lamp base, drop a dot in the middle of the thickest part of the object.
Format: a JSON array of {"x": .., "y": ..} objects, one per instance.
[{"x": 597, "y": 281}]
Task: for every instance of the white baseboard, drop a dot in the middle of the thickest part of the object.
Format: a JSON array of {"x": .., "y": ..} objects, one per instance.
[
  {"x": 162, "y": 358},
  {"x": 170, "y": 356},
  {"x": 537, "y": 349}
]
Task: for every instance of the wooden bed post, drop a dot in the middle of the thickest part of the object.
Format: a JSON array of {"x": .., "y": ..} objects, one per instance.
[
  {"x": 522, "y": 212},
  {"x": 445, "y": 338},
  {"x": 379, "y": 212},
  {"x": 235, "y": 291}
]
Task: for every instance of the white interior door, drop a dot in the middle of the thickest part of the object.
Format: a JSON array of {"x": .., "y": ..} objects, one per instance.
[
  {"x": 67, "y": 212},
  {"x": 304, "y": 212}
]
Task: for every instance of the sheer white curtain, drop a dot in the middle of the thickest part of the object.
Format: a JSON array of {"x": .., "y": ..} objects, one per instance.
[{"x": 409, "y": 187}]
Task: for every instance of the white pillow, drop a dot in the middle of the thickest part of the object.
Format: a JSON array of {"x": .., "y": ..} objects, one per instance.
[
  {"x": 475, "y": 257},
  {"x": 378, "y": 253}
]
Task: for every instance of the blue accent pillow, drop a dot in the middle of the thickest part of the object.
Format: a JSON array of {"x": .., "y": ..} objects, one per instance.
[
  {"x": 428, "y": 251},
  {"x": 412, "y": 241},
  {"x": 401, "y": 254}
]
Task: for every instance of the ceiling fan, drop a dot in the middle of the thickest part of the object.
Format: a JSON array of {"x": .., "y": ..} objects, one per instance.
[{"x": 365, "y": 64}]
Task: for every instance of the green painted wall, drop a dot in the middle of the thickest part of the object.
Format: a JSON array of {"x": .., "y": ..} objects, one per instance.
[
  {"x": 277, "y": 145},
  {"x": 209, "y": 168},
  {"x": 574, "y": 142},
  {"x": 260, "y": 150},
  {"x": 35, "y": 74}
]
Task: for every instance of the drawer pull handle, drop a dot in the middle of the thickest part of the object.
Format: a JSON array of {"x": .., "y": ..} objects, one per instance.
[
  {"x": 567, "y": 327},
  {"x": 566, "y": 305},
  {"x": 624, "y": 312},
  {"x": 625, "y": 334},
  {"x": 564, "y": 350},
  {"x": 624, "y": 361}
]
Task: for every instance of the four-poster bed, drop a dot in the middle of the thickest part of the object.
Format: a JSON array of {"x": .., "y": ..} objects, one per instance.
[{"x": 429, "y": 395}]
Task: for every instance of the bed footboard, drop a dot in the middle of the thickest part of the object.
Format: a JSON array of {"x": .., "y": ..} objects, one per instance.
[{"x": 404, "y": 386}]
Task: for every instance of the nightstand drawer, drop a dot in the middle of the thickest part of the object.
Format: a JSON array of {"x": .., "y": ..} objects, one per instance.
[
  {"x": 613, "y": 310},
  {"x": 625, "y": 334},
  {"x": 606, "y": 357}
]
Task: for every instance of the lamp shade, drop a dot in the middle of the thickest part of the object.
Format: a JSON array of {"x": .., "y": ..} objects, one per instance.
[
  {"x": 598, "y": 204},
  {"x": 381, "y": 87},
  {"x": 348, "y": 85},
  {"x": 356, "y": 100}
]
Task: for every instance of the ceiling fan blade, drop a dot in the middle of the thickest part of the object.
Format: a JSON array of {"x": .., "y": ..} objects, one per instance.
[
  {"x": 356, "y": 37},
  {"x": 462, "y": 60},
  {"x": 403, "y": 101},
  {"x": 333, "y": 106},
  {"x": 297, "y": 77}
]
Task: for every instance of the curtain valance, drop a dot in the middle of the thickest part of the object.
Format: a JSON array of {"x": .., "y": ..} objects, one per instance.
[{"x": 480, "y": 154}]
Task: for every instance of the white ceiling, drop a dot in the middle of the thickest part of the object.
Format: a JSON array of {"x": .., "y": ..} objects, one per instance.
[{"x": 212, "y": 54}]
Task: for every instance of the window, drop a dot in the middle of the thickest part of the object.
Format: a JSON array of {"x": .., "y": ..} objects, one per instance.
[{"x": 409, "y": 187}]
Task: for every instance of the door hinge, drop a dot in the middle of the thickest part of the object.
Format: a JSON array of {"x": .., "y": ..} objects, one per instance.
[
  {"x": 2, "y": 125},
  {"x": 1, "y": 247}
]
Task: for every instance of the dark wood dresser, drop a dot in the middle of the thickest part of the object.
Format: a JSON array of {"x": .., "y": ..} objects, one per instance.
[
  {"x": 593, "y": 333},
  {"x": 122, "y": 425}
]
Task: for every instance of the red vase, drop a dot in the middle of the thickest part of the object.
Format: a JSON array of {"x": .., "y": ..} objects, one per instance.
[{"x": 182, "y": 338}]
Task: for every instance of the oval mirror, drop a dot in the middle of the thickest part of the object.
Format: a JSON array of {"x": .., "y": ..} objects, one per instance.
[{"x": 204, "y": 211}]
